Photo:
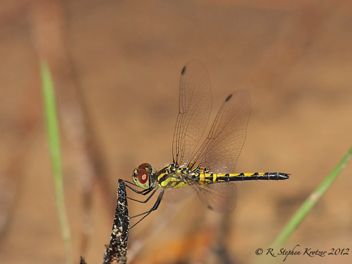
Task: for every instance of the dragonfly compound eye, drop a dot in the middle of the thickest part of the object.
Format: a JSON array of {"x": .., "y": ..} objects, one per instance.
[
  {"x": 142, "y": 179},
  {"x": 141, "y": 176},
  {"x": 147, "y": 167}
]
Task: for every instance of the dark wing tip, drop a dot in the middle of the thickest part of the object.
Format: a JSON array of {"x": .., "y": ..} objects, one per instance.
[
  {"x": 228, "y": 98},
  {"x": 183, "y": 70}
]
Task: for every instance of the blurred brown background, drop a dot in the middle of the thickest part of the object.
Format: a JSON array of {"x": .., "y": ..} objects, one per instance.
[{"x": 125, "y": 58}]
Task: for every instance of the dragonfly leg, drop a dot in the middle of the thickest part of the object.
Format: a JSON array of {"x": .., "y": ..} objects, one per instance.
[
  {"x": 150, "y": 196},
  {"x": 155, "y": 206},
  {"x": 143, "y": 192}
]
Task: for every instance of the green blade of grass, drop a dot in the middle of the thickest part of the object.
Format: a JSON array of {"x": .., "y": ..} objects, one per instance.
[
  {"x": 54, "y": 146},
  {"x": 310, "y": 202}
]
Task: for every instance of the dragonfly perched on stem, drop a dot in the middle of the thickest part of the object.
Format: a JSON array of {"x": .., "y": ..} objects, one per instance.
[{"x": 208, "y": 169}]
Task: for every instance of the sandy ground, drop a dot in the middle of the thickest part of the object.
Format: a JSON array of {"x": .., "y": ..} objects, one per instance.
[{"x": 294, "y": 59}]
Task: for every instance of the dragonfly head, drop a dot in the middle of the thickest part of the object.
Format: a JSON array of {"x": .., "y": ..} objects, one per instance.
[{"x": 141, "y": 175}]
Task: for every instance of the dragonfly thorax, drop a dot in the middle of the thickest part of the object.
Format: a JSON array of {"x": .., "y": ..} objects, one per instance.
[
  {"x": 142, "y": 175},
  {"x": 174, "y": 176}
]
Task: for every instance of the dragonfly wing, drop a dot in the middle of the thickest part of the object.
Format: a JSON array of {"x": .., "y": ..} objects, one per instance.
[
  {"x": 219, "y": 197},
  {"x": 194, "y": 110},
  {"x": 175, "y": 195},
  {"x": 220, "y": 151}
]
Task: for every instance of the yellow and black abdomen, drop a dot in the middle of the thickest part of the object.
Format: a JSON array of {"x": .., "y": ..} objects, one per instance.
[
  {"x": 175, "y": 177},
  {"x": 213, "y": 177}
]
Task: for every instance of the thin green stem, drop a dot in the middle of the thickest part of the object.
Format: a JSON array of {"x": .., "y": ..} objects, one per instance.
[
  {"x": 55, "y": 151},
  {"x": 310, "y": 202}
]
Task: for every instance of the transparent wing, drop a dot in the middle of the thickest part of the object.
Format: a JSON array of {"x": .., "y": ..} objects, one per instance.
[
  {"x": 194, "y": 111},
  {"x": 175, "y": 195},
  {"x": 220, "y": 197},
  {"x": 220, "y": 151}
]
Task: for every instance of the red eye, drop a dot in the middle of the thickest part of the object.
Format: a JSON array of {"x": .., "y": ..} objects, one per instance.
[
  {"x": 142, "y": 176},
  {"x": 143, "y": 166}
]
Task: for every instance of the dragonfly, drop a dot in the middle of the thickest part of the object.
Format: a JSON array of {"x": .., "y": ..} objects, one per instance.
[{"x": 207, "y": 168}]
